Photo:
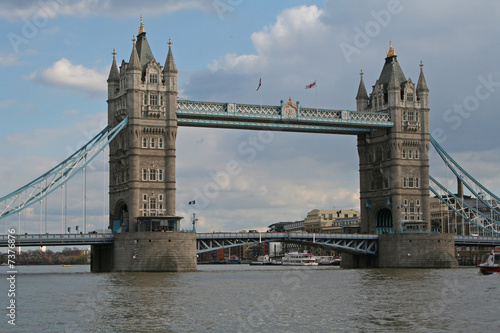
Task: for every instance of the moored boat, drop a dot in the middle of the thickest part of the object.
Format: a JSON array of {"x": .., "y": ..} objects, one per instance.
[
  {"x": 491, "y": 262},
  {"x": 300, "y": 259},
  {"x": 265, "y": 260}
]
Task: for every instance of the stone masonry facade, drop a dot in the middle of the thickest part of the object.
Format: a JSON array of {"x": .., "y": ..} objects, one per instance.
[{"x": 393, "y": 162}]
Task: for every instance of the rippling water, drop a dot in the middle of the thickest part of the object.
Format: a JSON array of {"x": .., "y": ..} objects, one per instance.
[{"x": 242, "y": 298}]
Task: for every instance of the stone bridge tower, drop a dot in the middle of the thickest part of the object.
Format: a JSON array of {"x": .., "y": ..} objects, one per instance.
[
  {"x": 394, "y": 163},
  {"x": 142, "y": 157},
  {"x": 142, "y": 168}
]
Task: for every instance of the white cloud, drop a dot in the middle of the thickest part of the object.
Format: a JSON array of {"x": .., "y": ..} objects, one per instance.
[
  {"x": 38, "y": 138},
  {"x": 6, "y": 103},
  {"x": 288, "y": 41},
  {"x": 9, "y": 60},
  {"x": 66, "y": 75},
  {"x": 79, "y": 8}
]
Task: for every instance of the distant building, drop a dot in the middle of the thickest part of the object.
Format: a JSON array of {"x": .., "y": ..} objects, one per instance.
[
  {"x": 296, "y": 226},
  {"x": 344, "y": 225},
  {"x": 317, "y": 220}
]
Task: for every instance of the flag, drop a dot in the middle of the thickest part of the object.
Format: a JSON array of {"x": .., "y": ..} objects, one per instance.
[
  {"x": 192, "y": 202},
  {"x": 260, "y": 83},
  {"x": 309, "y": 86}
]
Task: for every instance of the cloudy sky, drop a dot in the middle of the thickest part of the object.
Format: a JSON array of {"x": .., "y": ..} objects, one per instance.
[{"x": 55, "y": 56}]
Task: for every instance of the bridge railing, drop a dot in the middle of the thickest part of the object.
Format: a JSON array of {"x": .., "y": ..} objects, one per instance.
[
  {"x": 56, "y": 239},
  {"x": 58, "y": 236}
]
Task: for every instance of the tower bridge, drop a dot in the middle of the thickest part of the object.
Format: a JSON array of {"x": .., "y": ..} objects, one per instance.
[{"x": 144, "y": 113}]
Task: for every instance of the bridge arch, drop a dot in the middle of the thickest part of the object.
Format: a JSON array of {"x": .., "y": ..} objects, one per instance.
[
  {"x": 383, "y": 221},
  {"x": 120, "y": 217}
]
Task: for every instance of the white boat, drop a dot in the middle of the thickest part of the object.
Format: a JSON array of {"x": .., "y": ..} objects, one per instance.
[
  {"x": 491, "y": 262},
  {"x": 265, "y": 260},
  {"x": 300, "y": 259},
  {"x": 328, "y": 260}
]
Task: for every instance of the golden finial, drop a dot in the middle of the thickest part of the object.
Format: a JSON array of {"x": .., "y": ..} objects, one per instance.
[
  {"x": 290, "y": 100},
  {"x": 392, "y": 51},
  {"x": 141, "y": 27},
  {"x": 133, "y": 39}
]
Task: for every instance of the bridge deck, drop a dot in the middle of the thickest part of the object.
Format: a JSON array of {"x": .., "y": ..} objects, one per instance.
[{"x": 354, "y": 243}]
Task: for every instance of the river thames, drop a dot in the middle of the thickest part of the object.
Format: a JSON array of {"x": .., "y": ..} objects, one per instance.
[{"x": 243, "y": 298}]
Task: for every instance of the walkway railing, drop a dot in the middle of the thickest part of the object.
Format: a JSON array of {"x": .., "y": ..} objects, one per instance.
[{"x": 57, "y": 239}]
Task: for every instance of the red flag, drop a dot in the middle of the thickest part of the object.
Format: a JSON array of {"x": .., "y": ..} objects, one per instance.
[
  {"x": 309, "y": 86},
  {"x": 260, "y": 81}
]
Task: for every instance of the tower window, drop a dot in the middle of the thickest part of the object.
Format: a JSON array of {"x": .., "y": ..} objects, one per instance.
[
  {"x": 160, "y": 175},
  {"x": 153, "y": 142},
  {"x": 411, "y": 116},
  {"x": 144, "y": 142},
  {"x": 416, "y": 155},
  {"x": 144, "y": 174},
  {"x": 160, "y": 142},
  {"x": 153, "y": 78},
  {"x": 145, "y": 197},
  {"x": 145, "y": 99},
  {"x": 152, "y": 175},
  {"x": 160, "y": 197},
  {"x": 412, "y": 207},
  {"x": 153, "y": 99}
]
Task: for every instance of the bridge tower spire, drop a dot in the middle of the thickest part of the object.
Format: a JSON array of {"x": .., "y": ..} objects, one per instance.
[
  {"x": 394, "y": 164},
  {"x": 170, "y": 82},
  {"x": 362, "y": 96}
]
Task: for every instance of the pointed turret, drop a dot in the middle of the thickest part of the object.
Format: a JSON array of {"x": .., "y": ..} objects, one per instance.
[
  {"x": 170, "y": 71},
  {"x": 134, "y": 58},
  {"x": 422, "y": 85},
  {"x": 362, "y": 96},
  {"x": 143, "y": 49},
  {"x": 114, "y": 74},
  {"x": 422, "y": 90},
  {"x": 393, "y": 86},
  {"x": 170, "y": 63},
  {"x": 391, "y": 64},
  {"x": 114, "y": 77}
]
